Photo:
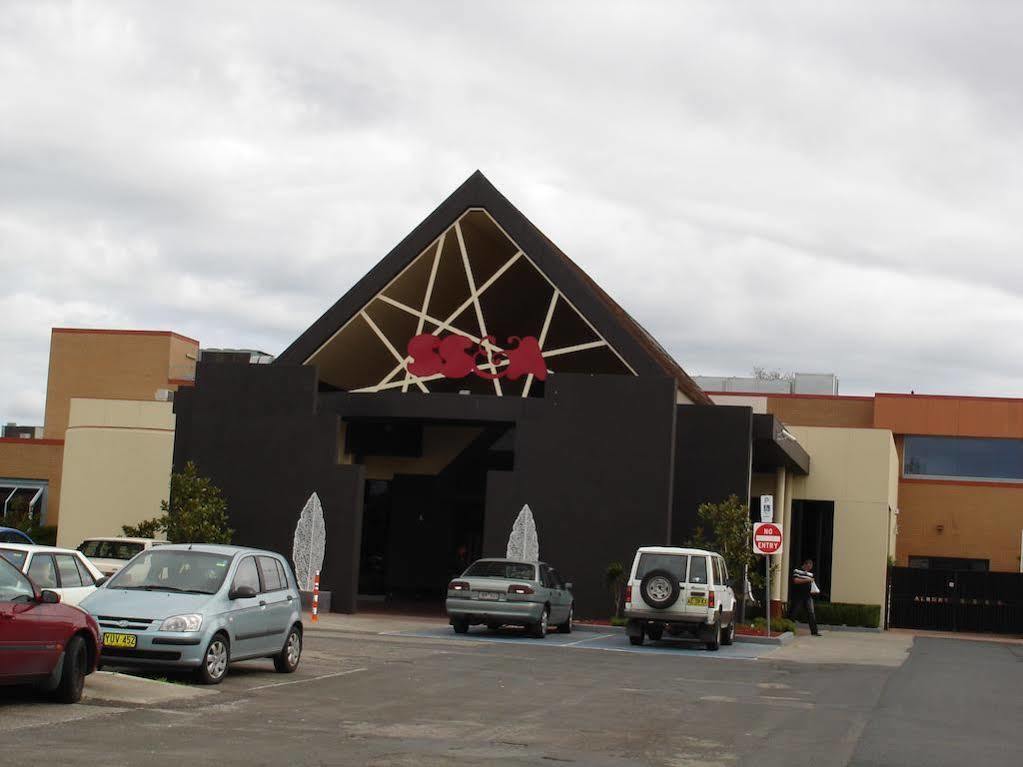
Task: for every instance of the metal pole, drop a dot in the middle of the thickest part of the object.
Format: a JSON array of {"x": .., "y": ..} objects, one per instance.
[{"x": 767, "y": 602}]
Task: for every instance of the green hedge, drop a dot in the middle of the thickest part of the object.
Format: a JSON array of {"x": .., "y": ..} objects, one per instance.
[
  {"x": 840, "y": 614},
  {"x": 833, "y": 614}
]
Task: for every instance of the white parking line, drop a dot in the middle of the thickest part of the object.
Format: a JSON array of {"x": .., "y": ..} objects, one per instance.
[
  {"x": 588, "y": 639},
  {"x": 310, "y": 679}
]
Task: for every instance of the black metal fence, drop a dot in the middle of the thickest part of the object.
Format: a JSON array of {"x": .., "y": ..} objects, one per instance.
[{"x": 955, "y": 600}]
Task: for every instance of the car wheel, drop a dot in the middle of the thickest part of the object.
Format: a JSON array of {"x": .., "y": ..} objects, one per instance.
[
  {"x": 659, "y": 589},
  {"x": 636, "y": 640},
  {"x": 729, "y": 635},
  {"x": 566, "y": 627},
  {"x": 655, "y": 632},
  {"x": 72, "y": 677},
  {"x": 715, "y": 643},
  {"x": 286, "y": 661},
  {"x": 460, "y": 626},
  {"x": 540, "y": 627},
  {"x": 213, "y": 668}
]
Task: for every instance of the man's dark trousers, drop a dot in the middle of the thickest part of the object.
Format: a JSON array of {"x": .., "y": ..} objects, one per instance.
[{"x": 806, "y": 602}]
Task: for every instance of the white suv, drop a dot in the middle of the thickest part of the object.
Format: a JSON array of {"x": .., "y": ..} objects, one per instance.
[{"x": 681, "y": 591}]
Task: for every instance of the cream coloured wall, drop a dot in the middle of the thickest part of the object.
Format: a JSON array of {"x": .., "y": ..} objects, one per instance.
[
  {"x": 758, "y": 404},
  {"x": 117, "y": 465},
  {"x": 854, "y": 468}
]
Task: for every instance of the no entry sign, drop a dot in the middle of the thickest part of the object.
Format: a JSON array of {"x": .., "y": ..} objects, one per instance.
[{"x": 767, "y": 538}]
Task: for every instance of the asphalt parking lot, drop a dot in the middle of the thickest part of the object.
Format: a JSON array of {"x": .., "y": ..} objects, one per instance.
[{"x": 419, "y": 695}]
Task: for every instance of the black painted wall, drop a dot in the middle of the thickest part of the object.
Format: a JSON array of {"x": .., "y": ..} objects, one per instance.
[
  {"x": 712, "y": 461},
  {"x": 253, "y": 429},
  {"x": 595, "y": 466}
]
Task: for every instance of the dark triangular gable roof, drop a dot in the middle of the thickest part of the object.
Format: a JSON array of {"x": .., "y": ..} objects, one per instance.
[{"x": 642, "y": 352}]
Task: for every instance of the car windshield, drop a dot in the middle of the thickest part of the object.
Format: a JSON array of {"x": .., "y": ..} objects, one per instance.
[
  {"x": 15, "y": 557},
  {"x": 512, "y": 571},
  {"x": 110, "y": 549},
  {"x": 192, "y": 572},
  {"x": 14, "y": 587},
  {"x": 673, "y": 563}
]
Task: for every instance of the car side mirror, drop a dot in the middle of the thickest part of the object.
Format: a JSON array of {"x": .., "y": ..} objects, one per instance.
[
  {"x": 48, "y": 597},
  {"x": 242, "y": 592},
  {"x": 568, "y": 586}
]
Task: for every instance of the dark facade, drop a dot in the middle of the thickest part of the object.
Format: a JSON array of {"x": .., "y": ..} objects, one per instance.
[{"x": 418, "y": 473}]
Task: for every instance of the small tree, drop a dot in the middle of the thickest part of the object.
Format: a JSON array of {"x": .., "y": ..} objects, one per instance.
[
  {"x": 196, "y": 512},
  {"x": 730, "y": 533},
  {"x": 614, "y": 579}
]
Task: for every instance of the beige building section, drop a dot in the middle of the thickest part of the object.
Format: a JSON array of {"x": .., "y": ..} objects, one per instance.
[
  {"x": 858, "y": 470},
  {"x": 112, "y": 364},
  {"x": 117, "y": 465},
  {"x": 38, "y": 459}
]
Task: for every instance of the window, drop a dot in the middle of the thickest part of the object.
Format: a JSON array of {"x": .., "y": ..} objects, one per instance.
[
  {"x": 43, "y": 572},
  {"x": 512, "y": 571},
  {"x": 673, "y": 563},
  {"x": 194, "y": 572},
  {"x": 698, "y": 570},
  {"x": 247, "y": 575},
  {"x": 15, "y": 557},
  {"x": 285, "y": 581},
  {"x": 14, "y": 587},
  {"x": 83, "y": 572},
  {"x": 70, "y": 578},
  {"x": 110, "y": 549},
  {"x": 998, "y": 460},
  {"x": 555, "y": 579},
  {"x": 724, "y": 571},
  {"x": 717, "y": 571},
  {"x": 271, "y": 578}
]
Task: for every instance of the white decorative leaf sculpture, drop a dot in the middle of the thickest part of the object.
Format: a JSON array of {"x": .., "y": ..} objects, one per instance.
[
  {"x": 522, "y": 543},
  {"x": 310, "y": 542}
]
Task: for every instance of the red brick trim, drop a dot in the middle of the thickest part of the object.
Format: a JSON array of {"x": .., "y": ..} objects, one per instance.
[
  {"x": 181, "y": 381},
  {"x": 964, "y": 482},
  {"x": 784, "y": 395},
  {"x": 106, "y": 331},
  {"x": 23, "y": 441},
  {"x": 949, "y": 396}
]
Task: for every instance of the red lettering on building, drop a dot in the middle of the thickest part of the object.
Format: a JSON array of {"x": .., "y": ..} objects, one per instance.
[{"x": 456, "y": 356}]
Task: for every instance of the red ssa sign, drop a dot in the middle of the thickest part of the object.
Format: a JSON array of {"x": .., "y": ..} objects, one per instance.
[{"x": 456, "y": 356}]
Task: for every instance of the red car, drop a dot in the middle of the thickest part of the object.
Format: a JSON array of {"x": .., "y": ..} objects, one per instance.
[{"x": 42, "y": 642}]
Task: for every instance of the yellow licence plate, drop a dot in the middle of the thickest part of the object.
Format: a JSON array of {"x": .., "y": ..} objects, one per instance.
[
  {"x": 697, "y": 601},
  {"x": 120, "y": 640}
]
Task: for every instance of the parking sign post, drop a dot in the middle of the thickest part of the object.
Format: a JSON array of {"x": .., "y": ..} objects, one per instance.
[{"x": 767, "y": 540}]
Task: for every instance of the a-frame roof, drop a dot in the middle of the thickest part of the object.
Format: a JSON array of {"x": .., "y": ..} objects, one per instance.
[{"x": 630, "y": 340}]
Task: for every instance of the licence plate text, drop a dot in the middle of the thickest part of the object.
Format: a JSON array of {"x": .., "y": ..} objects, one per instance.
[
  {"x": 697, "y": 601},
  {"x": 120, "y": 640},
  {"x": 488, "y": 596}
]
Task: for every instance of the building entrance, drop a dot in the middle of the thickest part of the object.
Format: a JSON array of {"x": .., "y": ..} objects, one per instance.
[{"x": 423, "y": 515}]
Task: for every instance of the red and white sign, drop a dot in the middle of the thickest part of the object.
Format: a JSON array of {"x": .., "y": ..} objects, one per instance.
[
  {"x": 456, "y": 356},
  {"x": 767, "y": 538}
]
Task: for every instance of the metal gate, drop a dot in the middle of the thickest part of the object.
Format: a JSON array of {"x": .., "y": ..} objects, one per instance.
[{"x": 955, "y": 600}]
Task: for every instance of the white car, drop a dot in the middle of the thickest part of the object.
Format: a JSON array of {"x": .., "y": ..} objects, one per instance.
[
  {"x": 111, "y": 554},
  {"x": 62, "y": 570},
  {"x": 682, "y": 591}
]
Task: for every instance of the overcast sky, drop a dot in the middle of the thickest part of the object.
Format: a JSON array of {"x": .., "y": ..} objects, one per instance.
[{"x": 813, "y": 187}]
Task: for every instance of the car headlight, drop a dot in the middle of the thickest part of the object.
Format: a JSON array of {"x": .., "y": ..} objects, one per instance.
[{"x": 182, "y": 623}]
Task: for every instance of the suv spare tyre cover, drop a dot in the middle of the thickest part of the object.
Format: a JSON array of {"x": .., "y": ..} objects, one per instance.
[{"x": 659, "y": 589}]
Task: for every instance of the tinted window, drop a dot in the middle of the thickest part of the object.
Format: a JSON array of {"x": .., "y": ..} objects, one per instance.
[
  {"x": 285, "y": 583},
  {"x": 963, "y": 457},
  {"x": 724, "y": 570},
  {"x": 110, "y": 549},
  {"x": 69, "y": 575},
  {"x": 198, "y": 572},
  {"x": 84, "y": 573},
  {"x": 16, "y": 558},
  {"x": 10, "y": 536},
  {"x": 271, "y": 577},
  {"x": 698, "y": 570},
  {"x": 512, "y": 571},
  {"x": 673, "y": 563},
  {"x": 555, "y": 579},
  {"x": 247, "y": 575},
  {"x": 43, "y": 572},
  {"x": 14, "y": 587}
]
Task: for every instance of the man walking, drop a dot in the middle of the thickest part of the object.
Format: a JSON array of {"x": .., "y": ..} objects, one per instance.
[{"x": 799, "y": 594}]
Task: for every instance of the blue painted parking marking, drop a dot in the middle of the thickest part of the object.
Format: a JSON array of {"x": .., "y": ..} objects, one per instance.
[{"x": 615, "y": 641}]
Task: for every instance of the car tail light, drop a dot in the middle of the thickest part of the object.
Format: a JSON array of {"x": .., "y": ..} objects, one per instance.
[
  {"x": 710, "y": 599},
  {"x": 628, "y": 593},
  {"x": 520, "y": 588},
  {"x": 458, "y": 586}
]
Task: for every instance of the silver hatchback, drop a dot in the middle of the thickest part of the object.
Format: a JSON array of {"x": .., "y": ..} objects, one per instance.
[{"x": 499, "y": 592}]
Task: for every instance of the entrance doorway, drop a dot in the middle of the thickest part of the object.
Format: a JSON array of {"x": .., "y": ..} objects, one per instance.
[
  {"x": 811, "y": 537},
  {"x": 423, "y": 513}
]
